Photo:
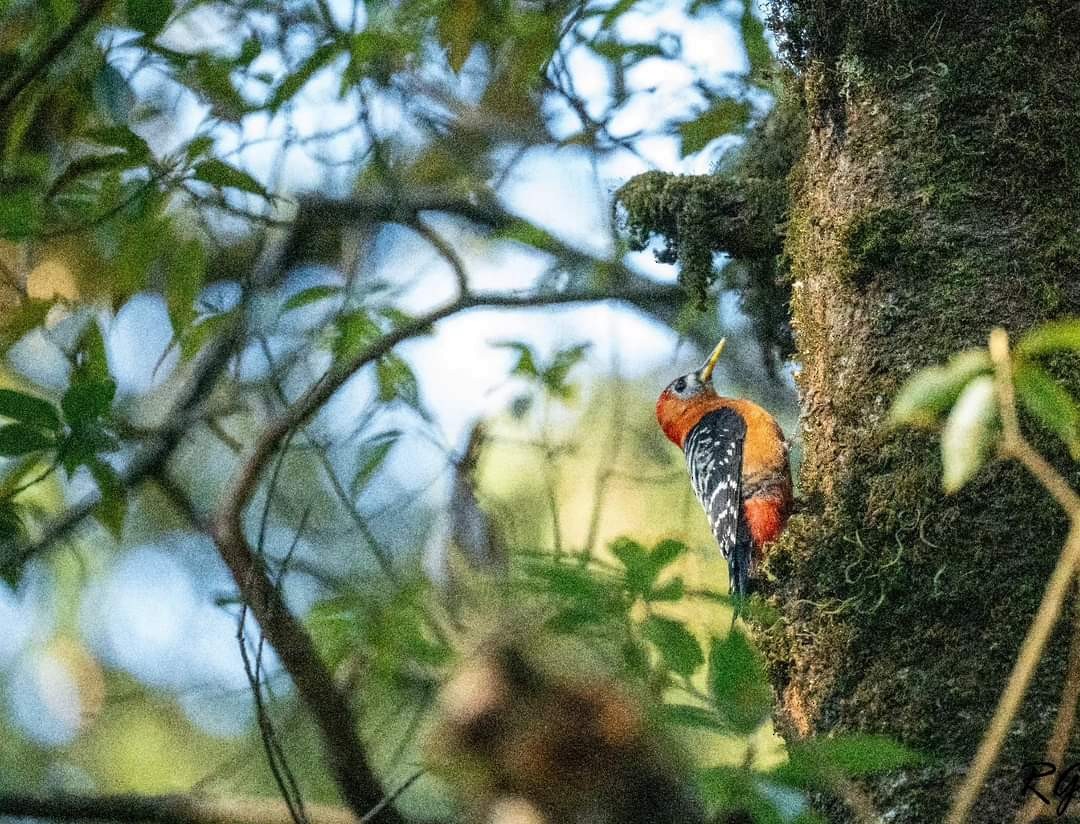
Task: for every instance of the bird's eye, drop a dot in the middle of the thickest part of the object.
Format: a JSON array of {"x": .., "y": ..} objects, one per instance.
[{"x": 680, "y": 384}]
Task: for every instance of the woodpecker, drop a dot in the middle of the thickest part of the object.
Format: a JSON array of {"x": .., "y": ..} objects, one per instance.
[{"x": 738, "y": 462}]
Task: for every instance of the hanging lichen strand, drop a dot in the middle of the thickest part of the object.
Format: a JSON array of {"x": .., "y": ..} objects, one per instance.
[{"x": 740, "y": 209}]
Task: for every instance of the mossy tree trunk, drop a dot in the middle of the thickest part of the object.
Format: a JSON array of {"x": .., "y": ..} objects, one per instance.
[{"x": 938, "y": 195}]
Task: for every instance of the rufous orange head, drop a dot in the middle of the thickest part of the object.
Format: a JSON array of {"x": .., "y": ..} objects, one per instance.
[{"x": 684, "y": 400}]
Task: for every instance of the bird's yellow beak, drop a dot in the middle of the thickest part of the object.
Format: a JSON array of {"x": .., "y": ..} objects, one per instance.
[{"x": 705, "y": 373}]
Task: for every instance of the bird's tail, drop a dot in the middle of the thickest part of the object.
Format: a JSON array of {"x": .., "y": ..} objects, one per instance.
[{"x": 739, "y": 575}]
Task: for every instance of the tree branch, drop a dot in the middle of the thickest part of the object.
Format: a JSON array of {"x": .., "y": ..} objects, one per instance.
[
  {"x": 295, "y": 648},
  {"x": 1063, "y": 725},
  {"x": 165, "y": 809}
]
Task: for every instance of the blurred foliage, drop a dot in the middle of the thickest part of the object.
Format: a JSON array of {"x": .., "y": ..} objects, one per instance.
[
  {"x": 962, "y": 393},
  {"x": 148, "y": 161}
]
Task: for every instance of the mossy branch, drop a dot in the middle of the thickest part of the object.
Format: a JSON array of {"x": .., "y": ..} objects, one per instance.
[{"x": 698, "y": 215}]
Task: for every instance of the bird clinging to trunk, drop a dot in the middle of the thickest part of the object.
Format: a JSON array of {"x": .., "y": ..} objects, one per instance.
[{"x": 738, "y": 461}]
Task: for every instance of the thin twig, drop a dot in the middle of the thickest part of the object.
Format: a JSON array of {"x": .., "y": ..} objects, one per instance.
[
  {"x": 1027, "y": 660},
  {"x": 390, "y": 799},
  {"x": 443, "y": 247},
  {"x": 1065, "y": 721},
  {"x": 275, "y": 753},
  {"x": 266, "y": 727}
]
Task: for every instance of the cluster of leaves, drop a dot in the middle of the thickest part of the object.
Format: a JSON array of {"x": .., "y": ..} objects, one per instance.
[
  {"x": 546, "y": 378},
  {"x": 963, "y": 392},
  {"x": 77, "y": 433},
  {"x": 621, "y": 611},
  {"x": 619, "y": 607}
]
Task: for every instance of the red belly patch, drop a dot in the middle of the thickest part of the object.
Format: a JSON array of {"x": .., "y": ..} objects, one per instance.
[{"x": 766, "y": 517}]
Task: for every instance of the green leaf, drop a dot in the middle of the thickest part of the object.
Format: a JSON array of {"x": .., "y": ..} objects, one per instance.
[
  {"x": 399, "y": 318},
  {"x": 816, "y": 763},
  {"x": 526, "y": 362},
  {"x": 149, "y": 16},
  {"x": 20, "y": 439},
  {"x": 761, "y": 801},
  {"x": 1049, "y": 402},
  {"x": 83, "y": 446},
  {"x": 298, "y": 79},
  {"x": 18, "y": 321},
  {"x": 22, "y": 117},
  {"x": 251, "y": 49},
  {"x": 86, "y": 401},
  {"x": 377, "y": 53},
  {"x": 724, "y": 117},
  {"x": 121, "y": 137},
  {"x": 969, "y": 432},
  {"x": 567, "y": 581},
  {"x": 355, "y": 332},
  {"x": 673, "y": 590},
  {"x": 1050, "y": 337},
  {"x": 635, "y": 559},
  {"x": 930, "y": 393},
  {"x": 93, "y": 164},
  {"x": 372, "y": 455},
  {"x": 529, "y": 234},
  {"x": 457, "y": 26},
  {"x": 677, "y": 646},
  {"x": 758, "y": 800},
  {"x": 666, "y": 552},
  {"x": 757, "y": 47},
  {"x": 211, "y": 77},
  {"x": 737, "y": 684},
  {"x": 618, "y": 52},
  {"x": 29, "y": 410},
  {"x": 20, "y": 215},
  {"x": 617, "y": 11},
  {"x": 93, "y": 361},
  {"x": 112, "y": 508},
  {"x": 12, "y": 533},
  {"x": 396, "y": 380},
  {"x": 578, "y": 615},
  {"x": 221, "y": 174},
  {"x": 311, "y": 295},
  {"x": 114, "y": 94},
  {"x": 635, "y": 658},
  {"x": 199, "y": 146},
  {"x": 688, "y": 715},
  {"x": 554, "y": 376},
  {"x": 187, "y": 273},
  {"x": 195, "y": 336}
]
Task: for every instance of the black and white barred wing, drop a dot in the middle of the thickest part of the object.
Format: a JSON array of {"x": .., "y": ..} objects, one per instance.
[{"x": 714, "y": 456}]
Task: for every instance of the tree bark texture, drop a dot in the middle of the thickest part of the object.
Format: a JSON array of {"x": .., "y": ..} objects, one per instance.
[{"x": 938, "y": 195}]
